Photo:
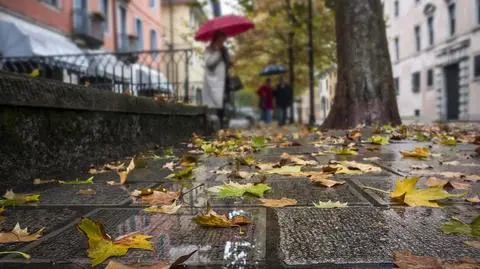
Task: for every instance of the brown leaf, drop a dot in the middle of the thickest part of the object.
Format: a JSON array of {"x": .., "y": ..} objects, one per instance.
[
  {"x": 87, "y": 192},
  {"x": 240, "y": 220},
  {"x": 459, "y": 185},
  {"x": 18, "y": 234},
  {"x": 474, "y": 199},
  {"x": 278, "y": 202},
  {"x": 170, "y": 166},
  {"x": 39, "y": 181},
  {"x": 114, "y": 167},
  {"x": 160, "y": 198},
  {"x": 406, "y": 260},
  {"x": 421, "y": 166},
  {"x": 123, "y": 173},
  {"x": 295, "y": 160},
  {"x": 327, "y": 182},
  {"x": 473, "y": 244},
  {"x": 265, "y": 166},
  {"x": 435, "y": 182}
]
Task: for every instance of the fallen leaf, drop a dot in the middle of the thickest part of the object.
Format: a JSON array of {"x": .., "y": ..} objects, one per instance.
[
  {"x": 160, "y": 198},
  {"x": 183, "y": 174},
  {"x": 138, "y": 162},
  {"x": 378, "y": 140},
  {"x": 162, "y": 265},
  {"x": 450, "y": 175},
  {"x": 421, "y": 166},
  {"x": 170, "y": 166},
  {"x": 165, "y": 209},
  {"x": 406, "y": 260},
  {"x": 265, "y": 166},
  {"x": 473, "y": 244},
  {"x": 457, "y": 163},
  {"x": 87, "y": 192},
  {"x": 435, "y": 182},
  {"x": 18, "y": 234},
  {"x": 287, "y": 158},
  {"x": 405, "y": 190},
  {"x": 330, "y": 204},
  {"x": 474, "y": 199},
  {"x": 459, "y": 185},
  {"x": 234, "y": 189},
  {"x": 285, "y": 170},
  {"x": 25, "y": 255},
  {"x": 12, "y": 198},
  {"x": 258, "y": 143},
  {"x": 448, "y": 141},
  {"x": 457, "y": 226},
  {"x": 123, "y": 174},
  {"x": 39, "y": 181},
  {"x": 239, "y": 175},
  {"x": 372, "y": 159},
  {"x": 113, "y": 166},
  {"x": 240, "y": 220},
  {"x": 101, "y": 246},
  {"x": 212, "y": 219},
  {"x": 419, "y": 153},
  {"x": 245, "y": 160},
  {"x": 278, "y": 202},
  {"x": 188, "y": 160},
  {"x": 77, "y": 181},
  {"x": 345, "y": 151},
  {"x": 326, "y": 181}
]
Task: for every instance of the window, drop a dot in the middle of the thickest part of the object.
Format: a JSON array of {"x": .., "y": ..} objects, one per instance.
[
  {"x": 54, "y": 3},
  {"x": 397, "y": 49},
  {"x": 431, "y": 37},
  {"x": 153, "y": 40},
  {"x": 478, "y": 11},
  {"x": 396, "y": 82},
  {"x": 416, "y": 82},
  {"x": 396, "y": 8},
  {"x": 476, "y": 68},
  {"x": 452, "y": 17},
  {"x": 139, "y": 32},
  {"x": 152, "y": 3},
  {"x": 418, "y": 38},
  {"x": 430, "y": 77},
  {"x": 104, "y": 11}
]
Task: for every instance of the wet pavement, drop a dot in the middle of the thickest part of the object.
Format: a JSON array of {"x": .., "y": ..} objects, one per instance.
[{"x": 362, "y": 235}]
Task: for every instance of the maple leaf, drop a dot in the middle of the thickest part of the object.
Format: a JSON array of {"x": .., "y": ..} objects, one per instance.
[
  {"x": 419, "y": 197},
  {"x": 435, "y": 182},
  {"x": 166, "y": 209},
  {"x": 77, "y": 181},
  {"x": 419, "y": 153},
  {"x": 101, "y": 246},
  {"x": 285, "y": 170},
  {"x": 324, "y": 180},
  {"x": 330, "y": 204},
  {"x": 287, "y": 158},
  {"x": 160, "y": 197},
  {"x": 212, "y": 219},
  {"x": 12, "y": 198},
  {"x": 234, "y": 189},
  {"x": 457, "y": 226},
  {"x": 378, "y": 140},
  {"x": 18, "y": 234},
  {"x": 162, "y": 265},
  {"x": 278, "y": 202}
]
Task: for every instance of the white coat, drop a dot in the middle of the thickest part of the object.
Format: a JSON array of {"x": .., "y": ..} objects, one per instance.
[{"x": 214, "y": 79}]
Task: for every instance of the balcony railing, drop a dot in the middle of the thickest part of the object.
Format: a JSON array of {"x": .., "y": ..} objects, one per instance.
[
  {"x": 163, "y": 75},
  {"x": 87, "y": 28}
]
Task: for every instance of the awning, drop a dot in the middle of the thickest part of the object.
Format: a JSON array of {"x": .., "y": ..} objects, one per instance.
[
  {"x": 101, "y": 63},
  {"x": 19, "y": 38},
  {"x": 145, "y": 75}
]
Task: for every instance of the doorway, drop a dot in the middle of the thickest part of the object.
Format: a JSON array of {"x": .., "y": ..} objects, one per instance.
[{"x": 452, "y": 90}]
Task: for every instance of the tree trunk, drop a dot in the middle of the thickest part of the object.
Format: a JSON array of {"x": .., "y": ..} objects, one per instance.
[{"x": 365, "y": 92}]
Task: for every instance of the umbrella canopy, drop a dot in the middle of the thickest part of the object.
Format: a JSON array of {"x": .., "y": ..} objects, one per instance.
[
  {"x": 273, "y": 69},
  {"x": 231, "y": 25}
]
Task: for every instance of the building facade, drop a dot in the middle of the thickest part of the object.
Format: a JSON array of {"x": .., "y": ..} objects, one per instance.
[
  {"x": 435, "y": 53},
  {"x": 324, "y": 94}
]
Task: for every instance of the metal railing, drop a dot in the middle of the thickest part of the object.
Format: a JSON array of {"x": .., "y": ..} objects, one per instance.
[{"x": 161, "y": 74}]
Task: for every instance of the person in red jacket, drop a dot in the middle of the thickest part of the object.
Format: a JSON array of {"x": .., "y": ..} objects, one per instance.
[{"x": 266, "y": 100}]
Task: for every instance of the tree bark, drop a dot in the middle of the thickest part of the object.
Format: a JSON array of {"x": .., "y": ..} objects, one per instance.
[{"x": 365, "y": 91}]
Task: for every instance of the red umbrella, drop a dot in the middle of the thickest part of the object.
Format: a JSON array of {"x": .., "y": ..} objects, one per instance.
[{"x": 231, "y": 25}]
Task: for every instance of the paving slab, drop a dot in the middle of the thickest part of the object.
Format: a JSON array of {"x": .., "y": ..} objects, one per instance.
[
  {"x": 173, "y": 236},
  {"x": 364, "y": 235},
  {"x": 35, "y": 219},
  {"x": 300, "y": 189},
  {"x": 407, "y": 165}
]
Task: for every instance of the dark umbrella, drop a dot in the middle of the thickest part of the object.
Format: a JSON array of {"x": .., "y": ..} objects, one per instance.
[{"x": 273, "y": 69}]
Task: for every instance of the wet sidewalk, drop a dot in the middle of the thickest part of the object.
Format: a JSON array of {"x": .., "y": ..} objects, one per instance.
[{"x": 363, "y": 235}]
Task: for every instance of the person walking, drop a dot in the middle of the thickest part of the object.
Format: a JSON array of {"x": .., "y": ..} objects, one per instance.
[
  {"x": 283, "y": 95},
  {"x": 266, "y": 98},
  {"x": 216, "y": 83}
]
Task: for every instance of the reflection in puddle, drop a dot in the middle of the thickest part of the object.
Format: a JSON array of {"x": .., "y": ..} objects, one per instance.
[{"x": 236, "y": 253}]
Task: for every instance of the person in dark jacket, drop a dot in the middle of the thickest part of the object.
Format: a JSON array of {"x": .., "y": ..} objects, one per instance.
[{"x": 283, "y": 96}]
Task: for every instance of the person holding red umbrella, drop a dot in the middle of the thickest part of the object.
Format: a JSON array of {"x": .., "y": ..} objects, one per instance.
[{"x": 216, "y": 84}]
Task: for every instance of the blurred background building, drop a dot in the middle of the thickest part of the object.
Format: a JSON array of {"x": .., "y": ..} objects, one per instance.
[{"x": 435, "y": 53}]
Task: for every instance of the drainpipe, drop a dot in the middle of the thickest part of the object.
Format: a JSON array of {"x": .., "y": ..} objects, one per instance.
[{"x": 114, "y": 18}]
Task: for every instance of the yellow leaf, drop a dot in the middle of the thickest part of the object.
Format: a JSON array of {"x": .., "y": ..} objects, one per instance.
[
  {"x": 35, "y": 73},
  {"x": 330, "y": 204},
  {"x": 212, "y": 219},
  {"x": 417, "y": 153},
  {"x": 12, "y": 198},
  {"x": 346, "y": 151},
  {"x": 101, "y": 246},
  {"x": 165, "y": 209},
  {"x": 278, "y": 202},
  {"x": 18, "y": 234},
  {"x": 285, "y": 170},
  {"x": 404, "y": 186}
]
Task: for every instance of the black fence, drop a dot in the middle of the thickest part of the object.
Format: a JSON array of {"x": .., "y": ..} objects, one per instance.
[{"x": 161, "y": 74}]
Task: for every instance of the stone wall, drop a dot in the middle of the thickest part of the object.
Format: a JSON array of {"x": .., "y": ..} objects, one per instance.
[{"x": 55, "y": 129}]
